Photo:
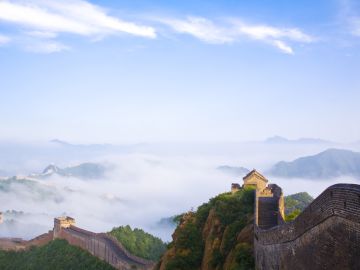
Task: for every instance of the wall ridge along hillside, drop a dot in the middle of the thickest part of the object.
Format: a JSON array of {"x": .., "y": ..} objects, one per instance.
[
  {"x": 341, "y": 200},
  {"x": 101, "y": 245},
  {"x": 326, "y": 235}
]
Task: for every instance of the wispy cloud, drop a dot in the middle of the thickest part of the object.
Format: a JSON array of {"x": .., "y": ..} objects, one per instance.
[
  {"x": 233, "y": 30},
  {"x": 4, "y": 39},
  {"x": 48, "y": 18},
  {"x": 43, "y": 23}
]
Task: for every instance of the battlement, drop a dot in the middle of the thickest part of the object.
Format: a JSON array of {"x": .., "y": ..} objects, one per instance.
[
  {"x": 64, "y": 222},
  {"x": 269, "y": 200},
  {"x": 326, "y": 235}
]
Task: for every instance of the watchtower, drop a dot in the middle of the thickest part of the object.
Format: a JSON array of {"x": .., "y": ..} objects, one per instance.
[
  {"x": 255, "y": 179},
  {"x": 269, "y": 200},
  {"x": 61, "y": 223},
  {"x": 235, "y": 188}
]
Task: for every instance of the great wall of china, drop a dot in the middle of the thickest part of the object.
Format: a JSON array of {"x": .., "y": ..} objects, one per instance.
[
  {"x": 326, "y": 235},
  {"x": 101, "y": 245}
]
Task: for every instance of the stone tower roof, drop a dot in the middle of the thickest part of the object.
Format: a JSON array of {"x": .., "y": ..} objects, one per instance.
[{"x": 255, "y": 173}]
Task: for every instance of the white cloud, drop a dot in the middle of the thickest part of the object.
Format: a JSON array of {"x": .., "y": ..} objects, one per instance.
[
  {"x": 4, "y": 39},
  {"x": 235, "y": 30},
  {"x": 264, "y": 32},
  {"x": 49, "y": 18},
  {"x": 283, "y": 47},
  {"x": 200, "y": 28}
]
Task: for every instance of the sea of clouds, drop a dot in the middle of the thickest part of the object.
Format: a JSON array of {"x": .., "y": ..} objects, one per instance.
[{"x": 145, "y": 184}]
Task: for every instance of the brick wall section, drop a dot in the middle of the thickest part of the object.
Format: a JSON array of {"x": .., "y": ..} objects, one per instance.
[
  {"x": 18, "y": 244},
  {"x": 326, "y": 235},
  {"x": 101, "y": 245},
  {"x": 104, "y": 247},
  {"x": 40, "y": 240},
  {"x": 15, "y": 244}
]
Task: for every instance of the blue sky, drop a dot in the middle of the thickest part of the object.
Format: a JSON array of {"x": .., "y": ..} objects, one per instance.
[{"x": 142, "y": 71}]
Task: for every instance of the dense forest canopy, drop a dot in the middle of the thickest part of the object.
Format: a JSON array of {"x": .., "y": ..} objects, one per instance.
[{"x": 139, "y": 243}]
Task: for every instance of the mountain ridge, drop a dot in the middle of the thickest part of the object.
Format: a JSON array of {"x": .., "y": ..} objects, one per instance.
[{"x": 330, "y": 163}]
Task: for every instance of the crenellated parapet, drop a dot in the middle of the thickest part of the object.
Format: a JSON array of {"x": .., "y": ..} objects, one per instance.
[{"x": 326, "y": 235}]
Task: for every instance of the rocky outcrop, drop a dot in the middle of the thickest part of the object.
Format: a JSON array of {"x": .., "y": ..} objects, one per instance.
[{"x": 219, "y": 234}]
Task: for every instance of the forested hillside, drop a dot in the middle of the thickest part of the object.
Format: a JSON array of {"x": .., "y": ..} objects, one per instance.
[
  {"x": 57, "y": 255},
  {"x": 219, "y": 235},
  {"x": 139, "y": 243}
]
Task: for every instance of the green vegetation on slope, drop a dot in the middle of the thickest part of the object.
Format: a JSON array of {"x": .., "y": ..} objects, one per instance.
[
  {"x": 56, "y": 255},
  {"x": 292, "y": 215},
  {"x": 211, "y": 235},
  {"x": 295, "y": 204},
  {"x": 139, "y": 243},
  {"x": 298, "y": 201}
]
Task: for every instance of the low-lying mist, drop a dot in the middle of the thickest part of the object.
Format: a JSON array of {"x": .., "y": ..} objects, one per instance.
[{"x": 142, "y": 188}]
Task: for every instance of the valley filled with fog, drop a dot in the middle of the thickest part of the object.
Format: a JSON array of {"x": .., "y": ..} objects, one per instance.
[{"x": 138, "y": 184}]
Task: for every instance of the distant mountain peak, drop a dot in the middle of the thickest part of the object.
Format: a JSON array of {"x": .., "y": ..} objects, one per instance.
[
  {"x": 330, "y": 163},
  {"x": 233, "y": 171},
  {"x": 278, "y": 139},
  {"x": 57, "y": 141},
  {"x": 51, "y": 169},
  {"x": 86, "y": 170}
]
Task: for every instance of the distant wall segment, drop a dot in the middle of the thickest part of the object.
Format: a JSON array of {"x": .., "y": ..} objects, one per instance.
[{"x": 102, "y": 246}]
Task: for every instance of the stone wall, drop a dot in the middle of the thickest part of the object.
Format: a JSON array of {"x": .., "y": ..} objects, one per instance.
[
  {"x": 104, "y": 247},
  {"x": 18, "y": 244},
  {"x": 326, "y": 235},
  {"x": 101, "y": 245}
]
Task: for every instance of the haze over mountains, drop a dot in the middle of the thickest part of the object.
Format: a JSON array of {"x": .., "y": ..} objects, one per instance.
[
  {"x": 136, "y": 184},
  {"x": 327, "y": 164},
  {"x": 84, "y": 171},
  {"x": 280, "y": 140},
  {"x": 233, "y": 171}
]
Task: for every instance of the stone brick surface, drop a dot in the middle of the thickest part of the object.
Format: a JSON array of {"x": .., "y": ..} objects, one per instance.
[{"x": 326, "y": 235}]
